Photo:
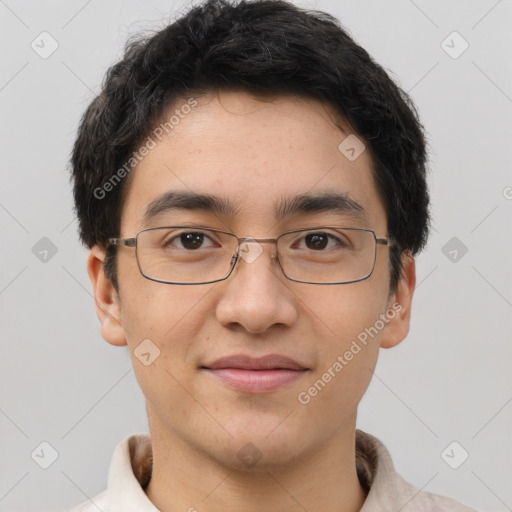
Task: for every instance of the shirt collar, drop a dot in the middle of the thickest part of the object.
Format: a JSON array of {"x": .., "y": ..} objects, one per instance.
[
  {"x": 131, "y": 465},
  {"x": 129, "y": 472}
]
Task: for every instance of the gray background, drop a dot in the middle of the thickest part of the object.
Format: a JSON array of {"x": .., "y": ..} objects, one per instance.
[{"x": 449, "y": 381}]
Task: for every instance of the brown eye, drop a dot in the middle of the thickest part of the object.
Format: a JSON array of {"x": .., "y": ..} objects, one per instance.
[
  {"x": 321, "y": 241},
  {"x": 192, "y": 240},
  {"x": 188, "y": 240},
  {"x": 317, "y": 241}
]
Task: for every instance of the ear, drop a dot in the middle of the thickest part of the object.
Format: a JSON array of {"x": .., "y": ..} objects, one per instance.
[
  {"x": 399, "y": 305},
  {"x": 108, "y": 305}
]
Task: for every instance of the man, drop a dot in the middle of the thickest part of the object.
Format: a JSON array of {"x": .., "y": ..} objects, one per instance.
[{"x": 251, "y": 186}]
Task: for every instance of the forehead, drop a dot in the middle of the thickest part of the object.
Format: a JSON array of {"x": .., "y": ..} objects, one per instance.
[{"x": 257, "y": 155}]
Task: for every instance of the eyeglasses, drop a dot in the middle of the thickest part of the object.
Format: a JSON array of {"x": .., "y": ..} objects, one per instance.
[{"x": 197, "y": 255}]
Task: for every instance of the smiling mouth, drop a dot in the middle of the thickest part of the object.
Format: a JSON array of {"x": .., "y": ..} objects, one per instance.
[{"x": 255, "y": 375}]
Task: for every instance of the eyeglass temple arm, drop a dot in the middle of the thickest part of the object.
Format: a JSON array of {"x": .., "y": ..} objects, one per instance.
[
  {"x": 127, "y": 242},
  {"x": 386, "y": 241}
]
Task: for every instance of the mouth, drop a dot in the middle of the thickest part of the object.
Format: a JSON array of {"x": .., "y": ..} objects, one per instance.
[{"x": 255, "y": 375}]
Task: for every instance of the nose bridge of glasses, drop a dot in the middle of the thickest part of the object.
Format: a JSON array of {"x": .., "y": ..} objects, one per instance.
[
  {"x": 249, "y": 249},
  {"x": 249, "y": 239}
]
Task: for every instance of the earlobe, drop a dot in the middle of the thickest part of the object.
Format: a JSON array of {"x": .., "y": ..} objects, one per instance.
[
  {"x": 108, "y": 306},
  {"x": 399, "y": 305}
]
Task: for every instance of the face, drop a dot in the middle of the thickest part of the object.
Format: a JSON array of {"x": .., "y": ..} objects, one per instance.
[{"x": 256, "y": 156}]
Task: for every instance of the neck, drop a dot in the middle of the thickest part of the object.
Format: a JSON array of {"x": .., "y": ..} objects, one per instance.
[{"x": 188, "y": 479}]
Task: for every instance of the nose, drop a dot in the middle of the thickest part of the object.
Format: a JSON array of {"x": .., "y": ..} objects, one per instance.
[{"x": 257, "y": 296}]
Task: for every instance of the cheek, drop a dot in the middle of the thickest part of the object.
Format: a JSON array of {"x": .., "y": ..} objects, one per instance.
[
  {"x": 340, "y": 312},
  {"x": 342, "y": 320},
  {"x": 171, "y": 316},
  {"x": 345, "y": 322},
  {"x": 165, "y": 312}
]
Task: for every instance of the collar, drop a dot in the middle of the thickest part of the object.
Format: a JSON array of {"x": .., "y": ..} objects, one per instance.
[{"x": 130, "y": 472}]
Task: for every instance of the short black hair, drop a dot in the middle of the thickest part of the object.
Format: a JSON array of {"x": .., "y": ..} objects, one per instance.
[{"x": 262, "y": 47}]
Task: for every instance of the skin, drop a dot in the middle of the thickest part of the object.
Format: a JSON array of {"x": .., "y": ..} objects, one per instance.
[{"x": 254, "y": 151}]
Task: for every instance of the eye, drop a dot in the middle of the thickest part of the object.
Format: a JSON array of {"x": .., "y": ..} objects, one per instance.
[
  {"x": 319, "y": 241},
  {"x": 190, "y": 241}
]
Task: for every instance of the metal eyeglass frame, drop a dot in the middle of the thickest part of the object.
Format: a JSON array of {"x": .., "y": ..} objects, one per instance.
[{"x": 132, "y": 242}]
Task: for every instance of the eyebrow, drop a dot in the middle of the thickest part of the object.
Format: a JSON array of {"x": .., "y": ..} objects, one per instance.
[
  {"x": 335, "y": 202},
  {"x": 174, "y": 200}
]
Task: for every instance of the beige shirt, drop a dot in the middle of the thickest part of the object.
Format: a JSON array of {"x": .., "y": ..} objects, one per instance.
[{"x": 130, "y": 472}]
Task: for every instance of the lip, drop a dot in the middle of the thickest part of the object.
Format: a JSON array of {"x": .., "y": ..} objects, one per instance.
[
  {"x": 255, "y": 375},
  {"x": 245, "y": 362}
]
